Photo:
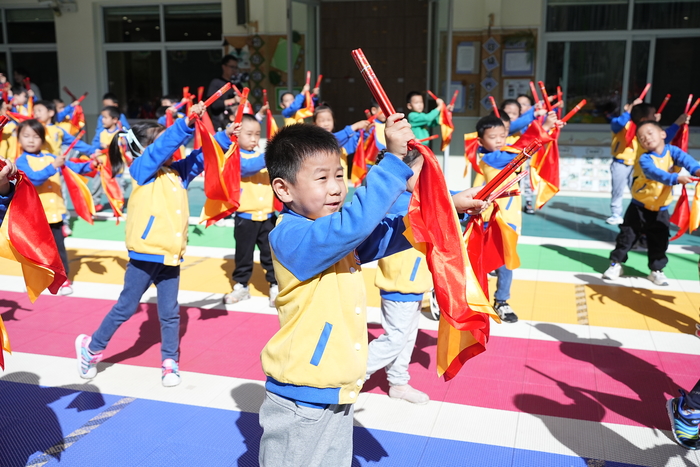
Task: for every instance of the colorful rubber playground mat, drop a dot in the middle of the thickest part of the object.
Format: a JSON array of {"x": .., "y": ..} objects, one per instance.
[{"x": 581, "y": 380}]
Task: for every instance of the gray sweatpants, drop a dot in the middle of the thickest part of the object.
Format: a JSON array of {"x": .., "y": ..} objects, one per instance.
[
  {"x": 299, "y": 436},
  {"x": 621, "y": 177},
  {"x": 525, "y": 185},
  {"x": 393, "y": 349}
]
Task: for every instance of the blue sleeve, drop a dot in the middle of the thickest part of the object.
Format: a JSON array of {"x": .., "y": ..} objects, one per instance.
[
  {"x": 144, "y": 168},
  {"x": 36, "y": 177},
  {"x": 161, "y": 120},
  {"x": 523, "y": 121},
  {"x": 190, "y": 166},
  {"x": 654, "y": 173},
  {"x": 348, "y": 139},
  {"x": 5, "y": 202},
  {"x": 387, "y": 239},
  {"x": 80, "y": 168},
  {"x": 296, "y": 105},
  {"x": 307, "y": 248},
  {"x": 80, "y": 146},
  {"x": 98, "y": 130},
  {"x": 617, "y": 124},
  {"x": 252, "y": 166},
  {"x": 66, "y": 112},
  {"x": 671, "y": 133},
  {"x": 684, "y": 159},
  {"x": 123, "y": 120},
  {"x": 222, "y": 138}
]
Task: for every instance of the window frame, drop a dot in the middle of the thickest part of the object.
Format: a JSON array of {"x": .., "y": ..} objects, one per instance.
[
  {"x": 161, "y": 46},
  {"x": 629, "y": 36},
  {"x": 8, "y": 49}
]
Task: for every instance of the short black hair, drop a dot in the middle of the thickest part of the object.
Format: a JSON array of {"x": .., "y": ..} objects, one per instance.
[
  {"x": 50, "y": 106},
  {"x": 486, "y": 123},
  {"x": 160, "y": 111},
  {"x": 113, "y": 111},
  {"x": 510, "y": 102},
  {"x": 322, "y": 108},
  {"x": 373, "y": 103},
  {"x": 227, "y": 58},
  {"x": 288, "y": 149},
  {"x": 526, "y": 96},
  {"x": 35, "y": 125},
  {"x": 650, "y": 122},
  {"x": 111, "y": 96},
  {"x": 412, "y": 94},
  {"x": 19, "y": 89},
  {"x": 642, "y": 112},
  {"x": 284, "y": 94},
  {"x": 249, "y": 118},
  {"x": 505, "y": 118},
  {"x": 21, "y": 71}
]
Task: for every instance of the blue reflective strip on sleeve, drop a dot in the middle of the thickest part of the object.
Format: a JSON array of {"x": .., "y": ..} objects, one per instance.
[
  {"x": 510, "y": 201},
  {"x": 415, "y": 269},
  {"x": 321, "y": 346},
  {"x": 148, "y": 227}
]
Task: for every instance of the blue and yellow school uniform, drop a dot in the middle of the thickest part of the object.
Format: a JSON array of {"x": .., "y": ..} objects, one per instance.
[
  {"x": 628, "y": 155},
  {"x": 21, "y": 109},
  {"x": 105, "y": 138},
  {"x": 57, "y": 137},
  {"x": 47, "y": 180},
  {"x": 655, "y": 174},
  {"x": 156, "y": 227},
  {"x": 319, "y": 355},
  {"x": 9, "y": 148},
  {"x": 421, "y": 123},
  {"x": 522, "y": 122},
  {"x": 294, "y": 107},
  {"x": 491, "y": 164},
  {"x": 257, "y": 199},
  {"x": 404, "y": 276},
  {"x": 99, "y": 127}
]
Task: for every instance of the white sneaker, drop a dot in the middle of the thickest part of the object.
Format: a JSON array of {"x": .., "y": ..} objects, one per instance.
[
  {"x": 658, "y": 278},
  {"x": 274, "y": 291},
  {"x": 66, "y": 288},
  {"x": 171, "y": 373},
  {"x": 613, "y": 272},
  {"x": 87, "y": 361},
  {"x": 408, "y": 393},
  {"x": 614, "y": 220},
  {"x": 434, "y": 306},
  {"x": 240, "y": 292}
]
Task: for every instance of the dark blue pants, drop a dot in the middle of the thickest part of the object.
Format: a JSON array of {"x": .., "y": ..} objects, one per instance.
[{"x": 138, "y": 277}]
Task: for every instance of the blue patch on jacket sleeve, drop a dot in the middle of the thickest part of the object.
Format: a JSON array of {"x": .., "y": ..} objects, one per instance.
[{"x": 415, "y": 269}]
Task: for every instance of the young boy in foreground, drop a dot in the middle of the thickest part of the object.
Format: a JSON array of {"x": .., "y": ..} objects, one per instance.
[{"x": 315, "y": 364}]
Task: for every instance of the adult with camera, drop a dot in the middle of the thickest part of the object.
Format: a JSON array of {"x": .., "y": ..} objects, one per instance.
[{"x": 229, "y": 73}]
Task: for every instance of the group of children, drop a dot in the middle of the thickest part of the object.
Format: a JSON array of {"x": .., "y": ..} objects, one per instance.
[{"x": 319, "y": 360}]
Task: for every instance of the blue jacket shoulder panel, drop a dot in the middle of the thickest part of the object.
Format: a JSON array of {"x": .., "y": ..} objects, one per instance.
[
  {"x": 39, "y": 176},
  {"x": 144, "y": 168},
  {"x": 190, "y": 166},
  {"x": 523, "y": 121},
  {"x": 617, "y": 124},
  {"x": 294, "y": 107}
]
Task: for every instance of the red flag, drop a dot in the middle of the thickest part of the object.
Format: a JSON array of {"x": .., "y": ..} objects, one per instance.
[
  {"x": 169, "y": 119},
  {"x": 500, "y": 243},
  {"x": 77, "y": 121},
  {"x": 544, "y": 166},
  {"x": 630, "y": 134},
  {"x": 25, "y": 237},
  {"x": 79, "y": 193},
  {"x": 111, "y": 188},
  {"x": 471, "y": 148},
  {"x": 371, "y": 149},
  {"x": 464, "y": 307},
  {"x": 308, "y": 110},
  {"x": 681, "y": 138},
  {"x": 446, "y": 127},
  {"x": 681, "y": 214},
  {"x": 359, "y": 162}
]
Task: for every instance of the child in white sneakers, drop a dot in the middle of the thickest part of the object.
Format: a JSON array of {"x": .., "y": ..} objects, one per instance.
[
  {"x": 156, "y": 237},
  {"x": 655, "y": 173}
]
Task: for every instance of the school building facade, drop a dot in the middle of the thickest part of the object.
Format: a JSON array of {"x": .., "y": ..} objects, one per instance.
[{"x": 603, "y": 51}]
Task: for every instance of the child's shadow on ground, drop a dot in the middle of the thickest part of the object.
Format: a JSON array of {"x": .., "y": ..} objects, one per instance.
[{"x": 249, "y": 397}]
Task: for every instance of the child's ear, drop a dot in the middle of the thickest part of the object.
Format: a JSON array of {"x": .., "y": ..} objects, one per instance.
[
  {"x": 281, "y": 189},
  {"x": 409, "y": 106}
]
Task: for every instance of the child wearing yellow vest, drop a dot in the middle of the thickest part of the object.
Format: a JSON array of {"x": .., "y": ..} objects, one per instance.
[
  {"x": 42, "y": 169},
  {"x": 254, "y": 219},
  {"x": 291, "y": 105},
  {"x": 156, "y": 237},
  {"x": 347, "y": 138},
  {"x": 316, "y": 363},
  {"x": 402, "y": 279},
  {"x": 655, "y": 173},
  {"x": 45, "y": 112},
  {"x": 8, "y": 143},
  {"x": 20, "y": 100}
]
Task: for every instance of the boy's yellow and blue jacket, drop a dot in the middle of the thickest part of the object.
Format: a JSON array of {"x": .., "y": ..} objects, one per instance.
[
  {"x": 47, "y": 180},
  {"x": 5, "y": 202},
  {"x": 421, "y": 122},
  {"x": 8, "y": 144},
  {"x": 655, "y": 174},
  {"x": 57, "y": 137},
  {"x": 522, "y": 122},
  {"x": 99, "y": 127},
  {"x": 256, "y": 193},
  {"x": 491, "y": 163},
  {"x": 294, "y": 107},
  {"x": 628, "y": 155},
  {"x": 105, "y": 138},
  {"x": 404, "y": 276},
  {"x": 319, "y": 355},
  {"x": 156, "y": 227}
]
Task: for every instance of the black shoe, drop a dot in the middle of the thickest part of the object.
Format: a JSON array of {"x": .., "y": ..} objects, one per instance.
[
  {"x": 505, "y": 312},
  {"x": 528, "y": 209}
]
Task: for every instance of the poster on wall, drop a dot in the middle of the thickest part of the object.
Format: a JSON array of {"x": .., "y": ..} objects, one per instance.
[
  {"x": 517, "y": 63},
  {"x": 512, "y": 88},
  {"x": 466, "y": 58}
]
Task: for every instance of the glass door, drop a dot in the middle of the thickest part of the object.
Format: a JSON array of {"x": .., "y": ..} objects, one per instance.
[
  {"x": 302, "y": 42},
  {"x": 439, "y": 70}
]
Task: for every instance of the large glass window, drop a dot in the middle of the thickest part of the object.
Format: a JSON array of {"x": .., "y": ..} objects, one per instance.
[
  {"x": 666, "y": 14},
  {"x": 153, "y": 50},
  {"x": 586, "y": 15},
  {"x": 676, "y": 68},
  {"x": 193, "y": 22},
  {"x": 639, "y": 69},
  {"x": 30, "y": 26}
]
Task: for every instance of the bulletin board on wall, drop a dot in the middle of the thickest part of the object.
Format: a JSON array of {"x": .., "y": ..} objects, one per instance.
[
  {"x": 499, "y": 64},
  {"x": 264, "y": 58}
]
